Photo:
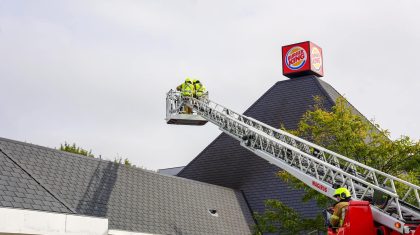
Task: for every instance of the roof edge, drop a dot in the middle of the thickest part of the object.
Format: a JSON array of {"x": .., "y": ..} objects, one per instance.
[
  {"x": 326, "y": 94},
  {"x": 47, "y": 148},
  {"x": 321, "y": 85},
  {"x": 91, "y": 159}
]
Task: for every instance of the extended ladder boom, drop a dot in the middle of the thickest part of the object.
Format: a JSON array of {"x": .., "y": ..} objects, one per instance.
[{"x": 319, "y": 168}]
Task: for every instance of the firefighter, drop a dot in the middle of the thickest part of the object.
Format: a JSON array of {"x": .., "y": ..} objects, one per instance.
[
  {"x": 343, "y": 197},
  {"x": 199, "y": 89},
  {"x": 187, "y": 89}
]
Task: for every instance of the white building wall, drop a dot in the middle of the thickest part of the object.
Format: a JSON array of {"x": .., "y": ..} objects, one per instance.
[
  {"x": 121, "y": 232},
  {"x": 19, "y": 221}
]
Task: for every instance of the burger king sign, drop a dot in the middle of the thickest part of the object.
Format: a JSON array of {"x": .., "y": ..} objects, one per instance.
[
  {"x": 302, "y": 59},
  {"x": 296, "y": 58}
]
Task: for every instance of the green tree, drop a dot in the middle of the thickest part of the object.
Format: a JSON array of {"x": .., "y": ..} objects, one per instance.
[
  {"x": 73, "y": 148},
  {"x": 351, "y": 135},
  {"x": 126, "y": 162},
  {"x": 281, "y": 219}
]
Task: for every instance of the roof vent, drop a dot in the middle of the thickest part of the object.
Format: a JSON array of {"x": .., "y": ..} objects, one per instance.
[{"x": 213, "y": 212}]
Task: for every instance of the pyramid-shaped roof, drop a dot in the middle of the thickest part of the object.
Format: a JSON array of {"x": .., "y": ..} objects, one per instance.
[{"x": 224, "y": 162}]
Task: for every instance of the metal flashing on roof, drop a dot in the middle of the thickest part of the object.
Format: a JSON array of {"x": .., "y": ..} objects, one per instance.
[{"x": 171, "y": 171}]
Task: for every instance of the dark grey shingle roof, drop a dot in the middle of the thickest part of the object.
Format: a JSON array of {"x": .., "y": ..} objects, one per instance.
[
  {"x": 133, "y": 199},
  {"x": 224, "y": 162},
  {"x": 19, "y": 189}
]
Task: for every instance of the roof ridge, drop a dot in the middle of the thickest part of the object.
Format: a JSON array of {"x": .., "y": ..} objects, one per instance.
[
  {"x": 272, "y": 87},
  {"x": 54, "y": 195},
  {"x": 171, "y": 168},
  {"x": 321, "y": 83},
  {"x": 322, "y": 89},
  {"x": 90, "y": 159},
  {"x": 49, "y": 149}
]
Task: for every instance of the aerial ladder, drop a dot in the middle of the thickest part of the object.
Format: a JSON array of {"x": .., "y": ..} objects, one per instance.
[{"x": 392, "y": 204}]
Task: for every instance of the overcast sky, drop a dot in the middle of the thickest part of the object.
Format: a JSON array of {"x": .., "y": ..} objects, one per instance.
[{"x": 96, "y": 72}]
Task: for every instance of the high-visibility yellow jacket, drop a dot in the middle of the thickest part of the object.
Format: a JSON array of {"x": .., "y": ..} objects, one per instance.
[
  {"x": 187, "y": 89},
  {"x": 200, "y": 90},
  {"x": 339, "y": 214}
]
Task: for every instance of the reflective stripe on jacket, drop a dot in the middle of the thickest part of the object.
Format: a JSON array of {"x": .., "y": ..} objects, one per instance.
[
  {"x": 187, "y": 89},
  {"x": 339, "y": 214},
  {"x": 200, "y": 89}
]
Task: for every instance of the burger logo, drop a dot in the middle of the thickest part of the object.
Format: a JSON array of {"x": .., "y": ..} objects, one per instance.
[
  {"x": 316, "y": 59},
  {"x": 295, "y": 58}
]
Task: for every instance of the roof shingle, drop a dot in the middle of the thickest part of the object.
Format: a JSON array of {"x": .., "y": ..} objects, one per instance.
[
  {"x": 131, "y": 198},
  {"x": 19, "y": 189}
]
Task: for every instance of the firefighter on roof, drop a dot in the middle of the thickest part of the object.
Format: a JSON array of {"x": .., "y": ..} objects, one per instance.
[{"x": 343, "y": 197}]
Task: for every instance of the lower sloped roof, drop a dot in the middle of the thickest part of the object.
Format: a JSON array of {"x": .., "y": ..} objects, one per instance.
[
  {"x": 19, "y": 190},
  {"x": 133, "y": 199}
]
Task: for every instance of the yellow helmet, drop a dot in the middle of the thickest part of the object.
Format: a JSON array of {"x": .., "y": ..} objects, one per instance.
[
  {"x": 343, "y": 193},
  {"x": 196, "y": 81},
  {"x": 188, "y": 80}
]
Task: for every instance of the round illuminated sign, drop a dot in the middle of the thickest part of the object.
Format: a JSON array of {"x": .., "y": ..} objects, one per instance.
[
  {"x": 316, "y": 59},
  {"x": 295, "y": 58}
]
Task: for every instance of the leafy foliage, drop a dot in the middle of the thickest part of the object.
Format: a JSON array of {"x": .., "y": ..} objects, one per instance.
[
  {"x": 72, "y": 148},
  {"x": 281, "y": 219},
  {"x": 351, "y": 135},
  {"x": 119, "y": 160}
]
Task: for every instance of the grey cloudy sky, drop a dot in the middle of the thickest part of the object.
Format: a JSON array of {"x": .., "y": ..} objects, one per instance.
[{"x": 96, "y": 72}]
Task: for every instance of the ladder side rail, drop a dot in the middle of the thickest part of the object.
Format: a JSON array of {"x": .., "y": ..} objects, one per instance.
[
  {"x": 173, "y": 102},
  {"x": 350, "y": 162},
  {"x": 260, "y": 125},
  {"x": 170, "y": 101},
  {"x": 378, "y": 215},
  {"x": 290, "y": 147},
  {"x": 224, "y": 120},
  {"x": 325, "y": 189},
  {"x": 320, "y": 162},
  {"x": 272, "y": 131},
  {"x": 338, "y": 171},
  {"x": 320, "y": 148},
  {"x": 321, "y": 187},
  {"x": 298, "y": 173}
]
